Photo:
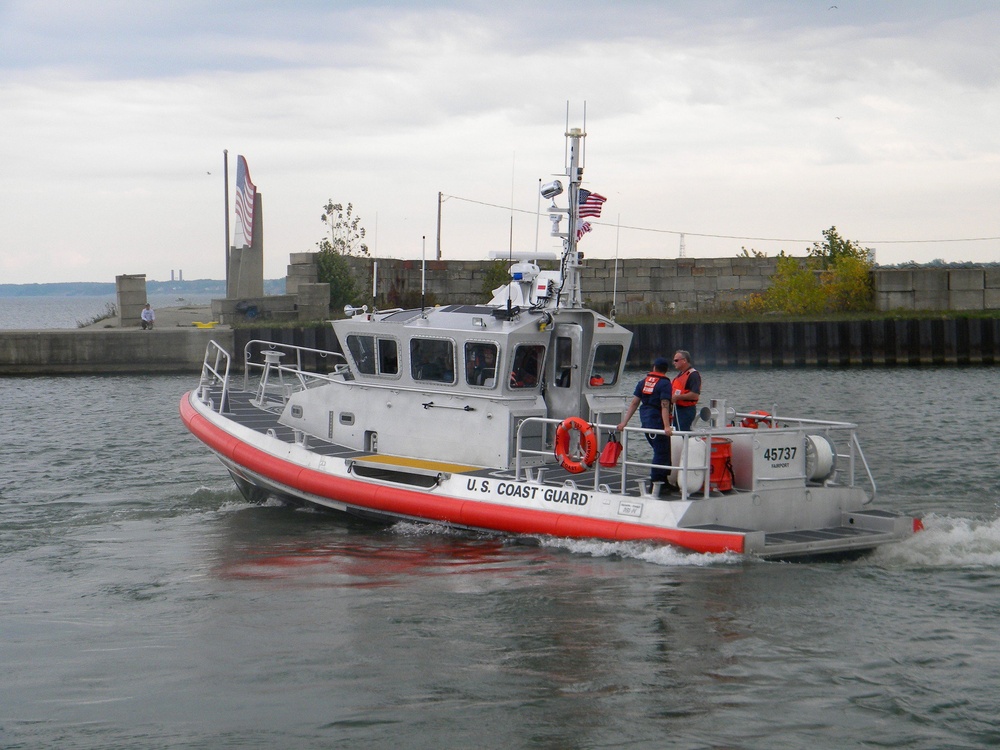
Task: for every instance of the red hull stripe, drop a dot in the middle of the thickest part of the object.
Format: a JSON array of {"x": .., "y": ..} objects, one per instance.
[{"x": 424, "y": 505}]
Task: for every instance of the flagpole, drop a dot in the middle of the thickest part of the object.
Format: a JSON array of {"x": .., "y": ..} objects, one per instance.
[{"x": 225, "y": 172}]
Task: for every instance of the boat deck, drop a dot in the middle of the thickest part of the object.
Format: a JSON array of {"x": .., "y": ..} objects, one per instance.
[{"x": 243, "y": 411}]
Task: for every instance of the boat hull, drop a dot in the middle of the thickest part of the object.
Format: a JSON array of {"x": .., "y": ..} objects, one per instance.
[{"x": 376, "y": 488}]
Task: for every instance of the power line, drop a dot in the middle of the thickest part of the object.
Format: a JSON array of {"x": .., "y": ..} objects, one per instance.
[{"x": 729, "y": 236}]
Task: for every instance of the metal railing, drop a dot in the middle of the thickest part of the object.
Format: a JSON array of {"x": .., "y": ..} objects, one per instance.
[
  {"x": 306, "y": 378},
  {"x": 854, "y": 457},
  {"x": 213, "y": 373}
]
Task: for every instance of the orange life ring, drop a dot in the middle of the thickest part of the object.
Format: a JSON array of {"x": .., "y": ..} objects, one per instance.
[
  {"x": 756, "y": 417},
  {"x": 588, "y": 444}
]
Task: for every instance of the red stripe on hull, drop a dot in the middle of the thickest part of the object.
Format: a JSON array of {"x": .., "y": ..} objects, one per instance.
[{"x": 422, "y": 505}]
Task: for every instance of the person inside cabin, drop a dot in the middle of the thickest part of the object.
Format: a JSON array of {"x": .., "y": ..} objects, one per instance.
[
  {"x": 480, "y": 363},
  {"x": 146, "y": 317},
  {"x": 525, "y": 372},
  {"x": 652, "y": 399},
  {"x": 685, "y": 390}
]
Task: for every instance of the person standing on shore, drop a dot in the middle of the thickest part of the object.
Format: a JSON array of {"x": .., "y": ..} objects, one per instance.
[
  {"x": 148, "y": 316},
  {"x": 652, "y": 399},
  {"x": 685, "y": 390}
]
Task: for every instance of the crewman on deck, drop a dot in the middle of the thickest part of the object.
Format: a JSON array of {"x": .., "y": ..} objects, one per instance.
[
  {"x": 685, "y": 390},
  {"x": 652, "y": 399}
]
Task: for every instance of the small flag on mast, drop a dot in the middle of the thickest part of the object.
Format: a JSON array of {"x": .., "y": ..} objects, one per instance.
[
  {"x": 591, "y": 203},
  {"x": 245, "y": 192},
  {"x": 582, "y": 227}
]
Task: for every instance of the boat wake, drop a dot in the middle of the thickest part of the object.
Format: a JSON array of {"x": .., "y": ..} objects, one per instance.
[
  {"x": 657, "y": 554},
  {"x": 946, "y": 542},
  {"x": 234, "y": 506}
]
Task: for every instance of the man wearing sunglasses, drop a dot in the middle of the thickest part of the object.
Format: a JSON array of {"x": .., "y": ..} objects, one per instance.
[{"x": 684, "y": 390}]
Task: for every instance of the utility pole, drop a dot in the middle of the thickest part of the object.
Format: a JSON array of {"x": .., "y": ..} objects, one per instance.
[{"x": 439, "y": 227}]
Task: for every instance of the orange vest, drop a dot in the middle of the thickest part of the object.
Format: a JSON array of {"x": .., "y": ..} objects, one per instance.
[
  {"x": 679, "y": 385},
  {"x": 652, "y": 378}
]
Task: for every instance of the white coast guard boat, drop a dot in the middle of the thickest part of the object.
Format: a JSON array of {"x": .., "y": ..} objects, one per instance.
[{"x": 491, "y": 417}]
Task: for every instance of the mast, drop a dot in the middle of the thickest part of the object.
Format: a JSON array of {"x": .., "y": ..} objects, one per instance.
[{"x": 572, "y": 259}]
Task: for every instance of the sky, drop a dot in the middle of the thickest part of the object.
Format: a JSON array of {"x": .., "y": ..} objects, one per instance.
[{"x": 738, "y": 124}]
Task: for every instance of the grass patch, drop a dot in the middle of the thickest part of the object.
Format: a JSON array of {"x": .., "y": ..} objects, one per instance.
[{"x": 110, "y": 311}]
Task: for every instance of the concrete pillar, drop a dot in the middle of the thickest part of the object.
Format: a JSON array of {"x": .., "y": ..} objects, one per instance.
[
  {"x": 313, "y": 301},
  {"x": 131, "y": 293},
  {"x": 246, "y": 264}
]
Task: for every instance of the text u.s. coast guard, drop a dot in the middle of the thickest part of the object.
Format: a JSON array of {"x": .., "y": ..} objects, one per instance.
[{"x": 529, "y": 492}]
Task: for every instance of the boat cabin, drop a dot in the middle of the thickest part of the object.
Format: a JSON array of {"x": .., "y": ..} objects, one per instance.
[{"x": 468, "y": 375}]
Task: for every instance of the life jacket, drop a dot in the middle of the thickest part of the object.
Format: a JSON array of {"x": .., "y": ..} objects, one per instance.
[
  {"x": 679, "y": 385},
  {"x": 652, "y": 378}
]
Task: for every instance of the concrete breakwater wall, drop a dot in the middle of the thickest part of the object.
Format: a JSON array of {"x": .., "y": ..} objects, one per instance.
[
  {"x": 77, "y": 352},
  {"x": 891, "y": 342}
]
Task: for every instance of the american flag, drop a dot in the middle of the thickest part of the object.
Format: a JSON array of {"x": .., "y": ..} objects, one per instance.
[
  {"x": 582, "y": 227},
  {"x": 591, "y": 203},
  {"x": 245, "y": 192}
]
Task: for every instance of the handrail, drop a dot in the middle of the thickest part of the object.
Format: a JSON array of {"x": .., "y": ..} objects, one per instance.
[
  {"x": 213, "y": 370},
  {"x": 625, "y": 462},
  {"x": 864, "y": 463},
  {"x": 296, "y": 370},
  {"x": 684, "y": 467}
]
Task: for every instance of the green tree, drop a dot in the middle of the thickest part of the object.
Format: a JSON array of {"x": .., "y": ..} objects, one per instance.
[
  {"x": 345, "y": 237},
  {"x": 836, "y": 276},
  {"x": 497, "y": 274},
  {"x": 795, "y": 289},
  {"x": 847, "y": 272},
  {"x": 834, "y": 247},
  {"x": 346, "y": 233},
  {"x": 335, "y": 270}
]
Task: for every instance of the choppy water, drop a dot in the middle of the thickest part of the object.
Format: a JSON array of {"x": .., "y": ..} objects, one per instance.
[{"x": 144, "y": 604}]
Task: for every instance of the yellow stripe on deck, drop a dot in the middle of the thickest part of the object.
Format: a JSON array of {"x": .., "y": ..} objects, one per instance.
[{"x": 417, "y": 463}]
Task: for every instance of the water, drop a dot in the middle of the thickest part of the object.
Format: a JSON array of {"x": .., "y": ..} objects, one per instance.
[
  {"x": 68, "y": 312},
  {"x": 144, "y": 604}
]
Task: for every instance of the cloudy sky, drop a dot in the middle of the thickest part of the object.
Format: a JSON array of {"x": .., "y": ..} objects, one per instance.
[{"x": 740, "y": 124}]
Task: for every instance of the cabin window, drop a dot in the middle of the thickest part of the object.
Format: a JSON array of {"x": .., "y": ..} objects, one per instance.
[
  {"x": 388, "y": 357},
  {"x": 432, "y": 359},
  {"x": 564, "y": 362},
  {"x": 374, "y": 356},
  {"x": 363, "y": 351},
  {"x": 481, "y": 363},
  {"x": 527, "y": 365},
  {"x": 607, "y": 363}
]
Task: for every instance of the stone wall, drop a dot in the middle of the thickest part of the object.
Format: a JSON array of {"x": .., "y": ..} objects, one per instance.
[
  {"x": 937, "y": 288},
  {"x": 635, "y": 286},
  {"x": 651, "y": 286}
]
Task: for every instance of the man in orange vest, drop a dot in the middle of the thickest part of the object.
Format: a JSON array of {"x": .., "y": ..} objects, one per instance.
[
  {"x": 684, "y": 391},
  {"x": 652, "y": 398}
]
